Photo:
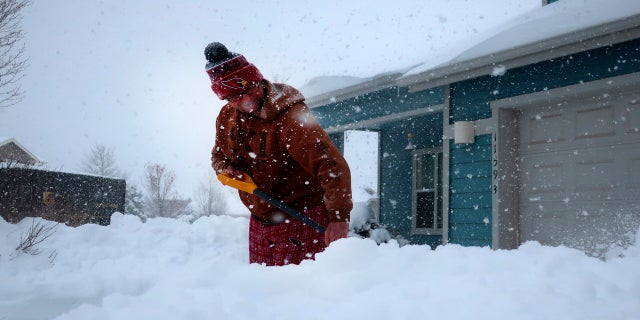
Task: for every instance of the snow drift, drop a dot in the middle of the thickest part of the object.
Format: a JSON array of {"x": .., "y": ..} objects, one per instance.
[{"x": 171, "y": 269}]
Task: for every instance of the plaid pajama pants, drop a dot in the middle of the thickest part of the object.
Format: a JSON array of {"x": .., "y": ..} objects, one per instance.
[{"x": 289, "y": 242}]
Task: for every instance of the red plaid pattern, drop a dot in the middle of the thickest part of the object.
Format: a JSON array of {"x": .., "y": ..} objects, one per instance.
[{"x": 289, "y": 242}]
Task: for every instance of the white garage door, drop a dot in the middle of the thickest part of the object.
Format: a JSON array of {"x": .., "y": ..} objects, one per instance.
[{"x": 580, "y": 172}]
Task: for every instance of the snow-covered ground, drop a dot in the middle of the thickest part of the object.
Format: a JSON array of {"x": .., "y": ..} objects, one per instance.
[{"x": 171, "y": 269}]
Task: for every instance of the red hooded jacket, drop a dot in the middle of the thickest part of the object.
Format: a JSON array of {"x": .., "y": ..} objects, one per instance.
[{"x": 286, "y": 153}]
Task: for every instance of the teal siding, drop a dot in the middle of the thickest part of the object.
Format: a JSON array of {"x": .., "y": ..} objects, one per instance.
[
  {"x": 470, "y": 98},
  {"x": 472, "y": 184},
  {"x": 469, "y": 200},
  {"x": 469, "y": 153},
  {"x": 470, "y": 192},
  {"x": 459, "y": 216},
  {"x": 376, "y": 104},
  {"x": 473, "y": 243},
  {"x": 395, "y": 187},
  {"x": 469, "y": 169},
  {"x": 396, "y": 168},
  {"x": 338, "y": 140},
  {"x": 479, "y": 232}
]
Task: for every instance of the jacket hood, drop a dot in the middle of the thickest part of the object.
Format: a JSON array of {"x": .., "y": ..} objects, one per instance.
[{"x": 279, "y": 98}]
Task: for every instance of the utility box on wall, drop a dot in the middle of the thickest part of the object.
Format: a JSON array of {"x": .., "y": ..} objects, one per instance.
[{"x": 73, "y": 199}]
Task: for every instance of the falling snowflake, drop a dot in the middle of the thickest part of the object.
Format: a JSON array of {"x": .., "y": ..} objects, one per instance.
[{"x": 499, "y": 70}]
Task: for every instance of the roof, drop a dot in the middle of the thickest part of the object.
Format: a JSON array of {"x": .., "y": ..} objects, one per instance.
[
  {"x": 4, "y": 142},
  {"x": 551, "y": 31},
  {"x": 355, "y": 87}
]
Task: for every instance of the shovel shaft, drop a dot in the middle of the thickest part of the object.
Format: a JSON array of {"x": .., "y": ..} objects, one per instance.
[
  {"x": 247, "y": 185},
  {"x": 288, "y": 210}
]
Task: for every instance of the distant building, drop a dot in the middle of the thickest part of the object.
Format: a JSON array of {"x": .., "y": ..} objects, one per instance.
[
  {"x": 74, "y": 199},
  {"x": 14, "y": 152}
]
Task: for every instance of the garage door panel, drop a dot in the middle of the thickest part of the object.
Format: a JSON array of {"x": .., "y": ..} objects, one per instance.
[
  {"x": 593, "y": 122},
  {"x": 544, "y": 224},
  {"x": 581, "y": 125},
  {"x": 584, "y": 175},
  {"x": 632, "y": 178},
  {"x": 580, "y": 172},
  {"x": 544, "y": 176},
  {"x": 631, "y": 118},
  {"x": 581, "y": 226},
  {"x": 595, "y": 175},
  {"x": 633, "y": 182},
  {"x": 546, "y": 128}
]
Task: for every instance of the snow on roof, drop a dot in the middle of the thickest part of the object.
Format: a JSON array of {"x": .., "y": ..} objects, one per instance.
[
  {"x": 326, "y": 87},
  {"x": 560, "y": 18},
  {"x": 322, "y": 84},
  {"x": 551, "y": 21}
]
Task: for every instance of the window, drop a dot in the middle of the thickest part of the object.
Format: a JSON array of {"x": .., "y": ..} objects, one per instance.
[{"x": 427, "y": 192}]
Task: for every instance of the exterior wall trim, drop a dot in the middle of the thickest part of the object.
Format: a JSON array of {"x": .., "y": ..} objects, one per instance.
[
  {"x": 384, "y": 119},
  {"x": 367, "y": 86},
  {"x": 504, "y": 184},
  {"x": 446, "y": 150}
]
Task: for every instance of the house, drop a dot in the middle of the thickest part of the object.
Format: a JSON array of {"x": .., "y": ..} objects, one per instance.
[
  {"x": 531, "y": 134},
  {"x": 14, "y": 152},
  {"x": 28, "y": 190}
]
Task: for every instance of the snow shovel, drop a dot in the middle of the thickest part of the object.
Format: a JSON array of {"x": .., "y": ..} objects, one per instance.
[{"x": 247, "y": 185}]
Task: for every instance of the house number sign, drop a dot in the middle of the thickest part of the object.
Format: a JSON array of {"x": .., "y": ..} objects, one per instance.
[{"x": 494, "y": 163}]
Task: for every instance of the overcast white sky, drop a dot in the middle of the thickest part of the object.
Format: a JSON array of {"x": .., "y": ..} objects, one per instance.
[{"x": 130, "y": 74}]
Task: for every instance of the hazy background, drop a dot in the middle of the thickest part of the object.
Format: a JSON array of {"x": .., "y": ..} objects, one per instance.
[{"x": 130, "y": 74}]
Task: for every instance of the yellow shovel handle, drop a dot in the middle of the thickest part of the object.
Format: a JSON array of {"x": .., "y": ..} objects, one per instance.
[{"x": 247, "y": 185}]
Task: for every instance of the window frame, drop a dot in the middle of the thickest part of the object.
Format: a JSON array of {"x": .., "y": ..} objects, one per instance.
[{"x": 437, "y": 190}]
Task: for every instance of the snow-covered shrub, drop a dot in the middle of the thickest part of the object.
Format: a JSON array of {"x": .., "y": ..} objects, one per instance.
[{"x": 364, "y": 224}]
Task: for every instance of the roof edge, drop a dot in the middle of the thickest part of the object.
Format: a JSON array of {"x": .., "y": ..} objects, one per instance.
[
  {"x": 573, "y": 42},
  {"x": 14, "y": 141},
  {"x": 353, "y": 90}
]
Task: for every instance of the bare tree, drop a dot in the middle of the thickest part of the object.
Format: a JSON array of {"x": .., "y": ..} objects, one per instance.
[
  {"x": 209, "y": 197},
  {"x": 12, "y": 63},
  {"x": 161, "y": 199},
  {"x": 101, "y": 161}
]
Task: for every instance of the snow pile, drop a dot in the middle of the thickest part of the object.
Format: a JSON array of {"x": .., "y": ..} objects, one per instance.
[{"x": 170, "y": 269}]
